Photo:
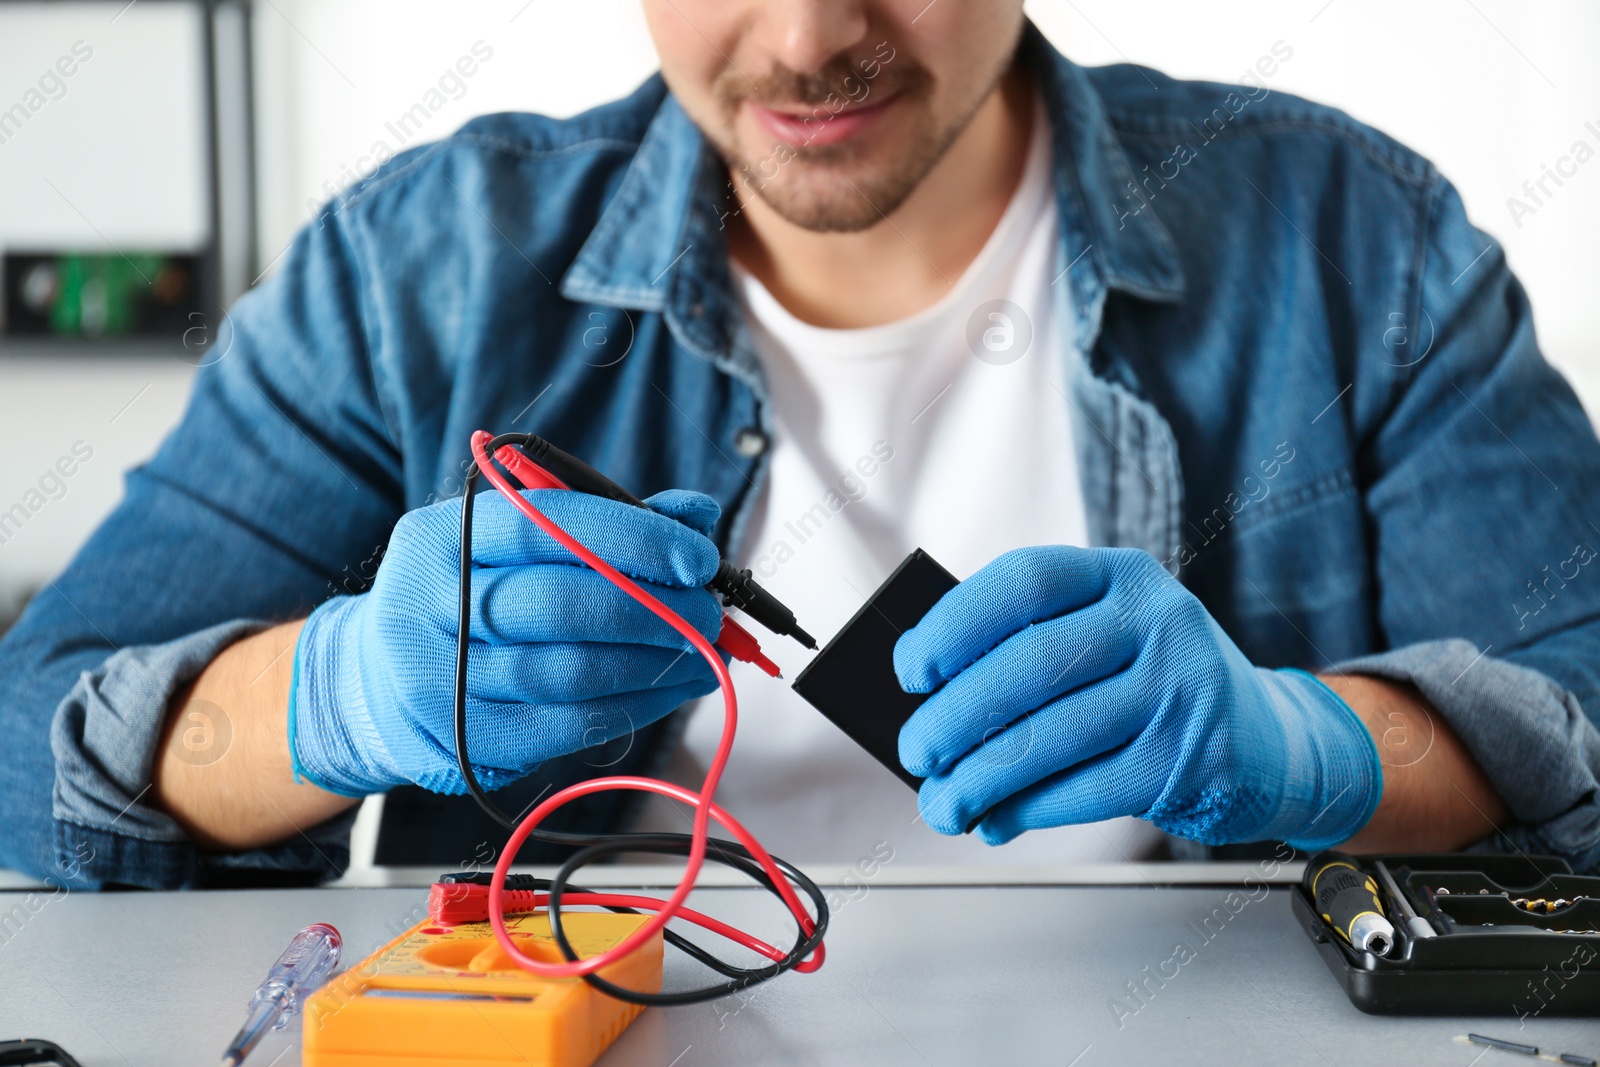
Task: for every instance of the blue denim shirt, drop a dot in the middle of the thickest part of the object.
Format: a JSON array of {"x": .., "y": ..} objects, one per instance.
[{"x": 1298, "y": 376}]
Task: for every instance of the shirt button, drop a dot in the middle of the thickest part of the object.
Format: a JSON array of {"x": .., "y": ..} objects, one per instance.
[{"x": 750, "y": 442}]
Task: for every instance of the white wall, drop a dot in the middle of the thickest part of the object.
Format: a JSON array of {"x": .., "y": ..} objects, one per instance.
[
  {"x": 111, "y": 157},
  {"x": 121, "y": 138},
  {"x": 1490, "y": 90},
  {"x": 333, "y": 73},
  {"x": 117, "y": 409}
]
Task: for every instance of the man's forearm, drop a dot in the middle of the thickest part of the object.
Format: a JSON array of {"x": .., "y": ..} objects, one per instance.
[
  {"x": 245, "y": 795},
  {"x": 1435, "y": 796}
]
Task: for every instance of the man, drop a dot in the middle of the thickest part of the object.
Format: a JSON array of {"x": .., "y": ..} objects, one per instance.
[{"x": 851, "y": 278}]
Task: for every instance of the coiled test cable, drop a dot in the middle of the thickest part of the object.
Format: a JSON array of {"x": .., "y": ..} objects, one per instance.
[{"x": 744, "y": 854}]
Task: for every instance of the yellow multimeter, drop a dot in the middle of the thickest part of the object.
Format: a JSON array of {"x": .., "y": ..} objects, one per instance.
[{"x": 449, "y": 996}]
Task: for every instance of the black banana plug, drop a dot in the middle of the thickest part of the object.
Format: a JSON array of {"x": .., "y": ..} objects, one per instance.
[{"x": 739, "y": 589}]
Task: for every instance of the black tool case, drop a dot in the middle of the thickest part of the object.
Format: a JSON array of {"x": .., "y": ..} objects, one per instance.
[{"x": 1489, "y": 956}]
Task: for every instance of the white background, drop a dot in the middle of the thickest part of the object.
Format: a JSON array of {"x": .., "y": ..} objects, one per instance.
[
  {"x": 1489, "y": 89},
  {"x": 123, "y": 144}
]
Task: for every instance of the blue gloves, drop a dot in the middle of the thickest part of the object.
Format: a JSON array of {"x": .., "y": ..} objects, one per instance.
[
  {"x": 561, "y": 659},
  {"x": 1075, "y": 685}
]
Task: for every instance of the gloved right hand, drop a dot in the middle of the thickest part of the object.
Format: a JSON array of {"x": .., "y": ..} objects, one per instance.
[
  {"x": 560, "y": 659},
  {"x": 1072, "y": 685}
]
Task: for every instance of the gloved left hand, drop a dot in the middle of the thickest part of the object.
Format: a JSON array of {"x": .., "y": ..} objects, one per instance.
[
  {"x": 1075, "y": 685},
  {"x": 561, "y": 659}
]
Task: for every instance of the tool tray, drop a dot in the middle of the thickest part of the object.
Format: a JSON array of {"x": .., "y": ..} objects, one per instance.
[{"x": 1490, "y": 956}]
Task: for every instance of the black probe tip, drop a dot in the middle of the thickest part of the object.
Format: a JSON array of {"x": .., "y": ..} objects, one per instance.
[{"x": 804, "y": 638}]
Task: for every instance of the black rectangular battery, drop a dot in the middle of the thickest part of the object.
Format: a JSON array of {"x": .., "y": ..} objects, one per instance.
[{"x": 852, "y": 680}]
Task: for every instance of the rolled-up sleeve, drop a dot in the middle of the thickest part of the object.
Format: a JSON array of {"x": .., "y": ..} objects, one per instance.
[
  {"x": 104, "y": 737},
  {"x": 282, "y": 478},
  {"x": 1530, "y": 736},
  {"x": 104, "y": 733}
]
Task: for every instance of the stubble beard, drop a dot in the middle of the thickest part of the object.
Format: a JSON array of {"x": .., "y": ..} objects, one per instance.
[{"x": 837, "y": 188}]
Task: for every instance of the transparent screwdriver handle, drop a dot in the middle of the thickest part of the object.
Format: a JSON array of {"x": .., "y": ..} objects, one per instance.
[{"x": 303, "y": 967}]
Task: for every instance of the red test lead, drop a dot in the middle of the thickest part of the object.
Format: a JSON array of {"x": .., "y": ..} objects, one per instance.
[
  {"x": 503, "y": 898},
  {"x": 734, "y": 639},
  {"x": 737, "y": 642},
  {"x": 551, "y": 468}
]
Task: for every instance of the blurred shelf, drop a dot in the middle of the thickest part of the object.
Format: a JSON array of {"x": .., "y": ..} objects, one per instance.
[{"x": 29, "y": 349}]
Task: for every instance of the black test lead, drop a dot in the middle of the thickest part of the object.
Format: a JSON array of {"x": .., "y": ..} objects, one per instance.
[
  {"x": 739, "y": 588},
  {"x": 771, "y": 872}
]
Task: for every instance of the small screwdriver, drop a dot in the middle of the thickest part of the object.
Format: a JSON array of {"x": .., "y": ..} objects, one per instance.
[
  {"x": 1416, "y": 924},
  {"x": 304, "y": 966},
  {"x": 1347, "y": 900},
  {"x": 738, "y": 587}
]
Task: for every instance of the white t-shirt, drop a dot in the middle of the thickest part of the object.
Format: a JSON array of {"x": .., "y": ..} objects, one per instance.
[{"x": 949, "y": 431}]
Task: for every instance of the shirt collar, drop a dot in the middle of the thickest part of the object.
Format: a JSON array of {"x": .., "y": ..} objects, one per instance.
[
  {"x": 660, "y": 243},
  {"x": 1104, "y": 247}
]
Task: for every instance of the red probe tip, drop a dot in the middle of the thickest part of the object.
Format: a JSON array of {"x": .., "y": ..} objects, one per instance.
[
  {"x": 760, "y": 660},
  {"x": 738, "y": 642}
]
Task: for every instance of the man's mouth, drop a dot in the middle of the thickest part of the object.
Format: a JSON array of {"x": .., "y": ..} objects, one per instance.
[{"x": 801, "y": 126}]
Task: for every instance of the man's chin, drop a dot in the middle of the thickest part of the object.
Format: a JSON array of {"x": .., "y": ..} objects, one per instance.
[
  {"x": 823, "y": 213},
  {"x": 830, "y": 199}
]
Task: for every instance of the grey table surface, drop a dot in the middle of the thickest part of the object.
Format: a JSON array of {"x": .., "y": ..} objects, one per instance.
[{"x": 917, "y": 975}]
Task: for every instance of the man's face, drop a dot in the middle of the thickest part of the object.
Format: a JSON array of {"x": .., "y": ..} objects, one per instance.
[{"x": 832, "y": 111}]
